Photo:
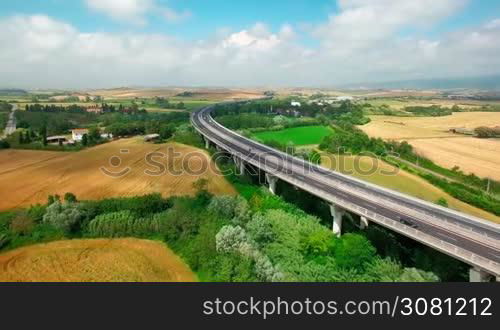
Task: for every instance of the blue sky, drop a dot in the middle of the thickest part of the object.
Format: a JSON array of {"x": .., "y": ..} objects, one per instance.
[
  {"x": 209, "y": 15},
  {"x": 321, "y": 42}
]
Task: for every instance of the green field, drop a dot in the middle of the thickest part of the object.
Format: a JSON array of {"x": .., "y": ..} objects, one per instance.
[{"x": 307, "y": 135}]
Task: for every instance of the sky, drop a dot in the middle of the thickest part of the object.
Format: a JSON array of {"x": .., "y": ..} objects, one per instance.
[{"x": 313, "y": 43}]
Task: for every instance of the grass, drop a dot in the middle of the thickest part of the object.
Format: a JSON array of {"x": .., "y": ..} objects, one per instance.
[
  {"x": 402, "y": 181},
  {"x": 307, "y": 135},
  {"x": 103, "y": 260}
]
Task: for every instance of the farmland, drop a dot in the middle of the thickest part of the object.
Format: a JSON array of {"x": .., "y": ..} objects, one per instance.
[
  {"x": 400, "y": 103},
  {"x": 101, "y": 260},
  {"x": 29, "y": 177},
  {"x": 432, "y": 139},
  {"x": 307, "y": 135},
  {"x": 404, "y": 182}
]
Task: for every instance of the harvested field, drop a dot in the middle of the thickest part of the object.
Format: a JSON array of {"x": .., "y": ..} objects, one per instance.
[
  {"x": 29, "y": 177},
  {"x": 472, "y": 155},
  {"x": 376, "y": 172},
  {"x": 208, "y": 94},
  {"x": 101, "y": 260},
  {"x": 431, "y": 138},
  {"x": 404, "y": 128}
]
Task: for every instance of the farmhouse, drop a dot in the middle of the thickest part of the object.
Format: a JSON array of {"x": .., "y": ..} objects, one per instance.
[
  {"x": 296, "y": 104},
  {"x": 56, "y": 139},
  {"x": 97, "y": 109},
  {"x": 78, "y": 133},
  {"x": 151, "y": 137}
]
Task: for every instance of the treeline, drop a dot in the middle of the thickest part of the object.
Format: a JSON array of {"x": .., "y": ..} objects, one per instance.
[
  {"x": 5, "y": 107},
  {"x": 222, "y": 238},
  {"x": 149, "y": 123},
  {"x": 484, "y": 132},
  {"x": 344, "y": 112},
  {"x": 164, "y": 103},
  {"x": 54, "y": 122},
  {"x": 430, "y": 111}
]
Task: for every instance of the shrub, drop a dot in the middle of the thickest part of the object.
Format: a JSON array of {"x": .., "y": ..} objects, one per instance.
[
  {"x": 22, "y": 224},
  {"x": 235, "y": 240},
  {"x": 123, "y": 224},
  {"x": 64, "y": 216},
  {"x": 70, "y": 198},
  {"x": 229, "y": 207}
]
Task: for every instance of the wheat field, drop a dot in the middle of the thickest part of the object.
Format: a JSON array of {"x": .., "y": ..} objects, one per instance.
[
  {"x": 29, "y": 177},
  {"x": 100, "y": 260},
  {"x": 431, "y": 138}
]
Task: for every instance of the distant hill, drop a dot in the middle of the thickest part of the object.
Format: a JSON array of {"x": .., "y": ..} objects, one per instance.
[
  {"x": 484, "y": 82},
  {"x": 12, "y": 92}
]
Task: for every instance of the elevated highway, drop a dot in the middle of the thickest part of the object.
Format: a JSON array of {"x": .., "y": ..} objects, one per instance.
[{"x": 464, "y": 237}]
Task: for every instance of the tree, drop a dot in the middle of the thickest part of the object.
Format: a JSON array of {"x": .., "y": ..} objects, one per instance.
[
  {"x": 70, "y": 198},
  {"x": 64, "y": 216},
  {"x": 484, "y": 132},
  {"x": 85, "y": 140},
  {"x": 94, "y": 135},
  {"x": 43, "y": 133},
  {"x": 21, "y": 138}
]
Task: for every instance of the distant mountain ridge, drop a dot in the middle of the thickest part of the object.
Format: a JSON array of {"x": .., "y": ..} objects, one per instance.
[{"x": 12, "y": 92}]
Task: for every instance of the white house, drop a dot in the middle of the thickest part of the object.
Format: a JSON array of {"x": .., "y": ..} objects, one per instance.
[
  {"x": 77, "y": 134},
  {"x": 345, "y": 98},
  {"x": 296, "y": 104}
]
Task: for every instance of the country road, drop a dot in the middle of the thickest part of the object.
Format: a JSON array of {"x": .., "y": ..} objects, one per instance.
[{"x": 11, "y": 123}]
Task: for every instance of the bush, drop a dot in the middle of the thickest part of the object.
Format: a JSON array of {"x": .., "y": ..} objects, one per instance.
[
  {"x": 124, "y": 224},
  {"x": 141, "y": 206},
  {"x": 64, "y": 216},
  {"x": 229, "y": 207},
  {"x": 22, "y": 224}
]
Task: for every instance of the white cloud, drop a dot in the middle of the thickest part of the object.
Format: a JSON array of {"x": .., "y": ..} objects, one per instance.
[
  {"x": 44, "y": 52},
  {"x": 364, "y": 23},
  {"x": 135, "y": 11}
]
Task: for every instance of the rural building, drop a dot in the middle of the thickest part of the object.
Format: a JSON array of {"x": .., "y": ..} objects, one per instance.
[
  {"x": 56, "y": 139},
  {"x": 344, "y": 98},
  {"x": 77, "y": 134},
  {"x": 151, "y": 137},
  {"x": 107, "y": 136},
  {"x": 97, "y": 109},
  {"x": 296, "y": 104}
]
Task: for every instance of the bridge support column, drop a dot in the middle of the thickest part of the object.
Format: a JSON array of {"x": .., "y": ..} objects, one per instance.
[
  {"x": 240, "y": 165},
  {"x": 477, "y": 275},
  {"x": 363, "y": 223},
  {"x": 207, "y": 143},
  {"x": 337, "y": 213},
  {"x": 272, "y": 181}
]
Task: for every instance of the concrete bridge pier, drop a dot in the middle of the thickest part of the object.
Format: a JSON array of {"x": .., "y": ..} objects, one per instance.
[
  {"x": 207, "y": 143},
  {"x": 272, "y": 181},
  {"x": 477, "y": 275},
  {"x": 363, "y": 223},
  {"x": 240, "y": 165},
  {"x": 337, "y": 213}
]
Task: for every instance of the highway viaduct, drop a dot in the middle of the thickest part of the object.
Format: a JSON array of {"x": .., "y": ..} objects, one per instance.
[{"x": 471, "y": 240}]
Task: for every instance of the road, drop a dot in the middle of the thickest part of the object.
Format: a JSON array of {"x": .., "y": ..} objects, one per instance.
[
  {"x": 11, "y": 123},
  {"x": 472, "y": 240}
]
